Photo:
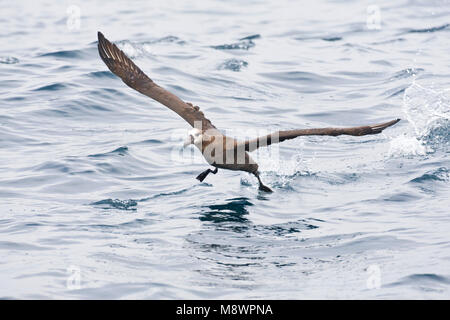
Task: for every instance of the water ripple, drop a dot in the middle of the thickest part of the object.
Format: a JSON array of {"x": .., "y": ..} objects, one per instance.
[
  {"x": 233, "y": 65},
  {"x": 9, "y": 60},
  {"x": 116, "y": 204},
  {"x": 431, "y": 29},
  {"x": 243, "y": 44}
]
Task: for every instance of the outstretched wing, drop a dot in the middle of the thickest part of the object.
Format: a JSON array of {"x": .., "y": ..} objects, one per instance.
[
  {"x": 124, "y": 68},
  {"x": 279, "y": 136}
]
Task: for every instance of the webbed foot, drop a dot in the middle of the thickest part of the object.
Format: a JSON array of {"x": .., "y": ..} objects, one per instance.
[
  {"x": 262, "y": 187},
  {"x": 205, "y": 173}
]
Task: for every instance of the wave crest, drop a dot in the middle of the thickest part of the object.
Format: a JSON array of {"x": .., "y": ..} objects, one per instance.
[{"x": 428, "y": 113}]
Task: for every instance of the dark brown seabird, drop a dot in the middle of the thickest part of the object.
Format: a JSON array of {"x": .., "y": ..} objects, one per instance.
[{"x": 218, "y": 150}]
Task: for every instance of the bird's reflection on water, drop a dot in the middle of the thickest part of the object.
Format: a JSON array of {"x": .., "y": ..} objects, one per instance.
[
  {"x": 234, "y": 215},
  {"x": 231, "y": 247},
  {"x": 234, "y": 210}
]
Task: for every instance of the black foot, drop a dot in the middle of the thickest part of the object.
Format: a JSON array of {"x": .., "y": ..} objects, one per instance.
[
  {"x": 205, "y": 173},
  {"x": 202, "y": 175},
  {"x": 262, "y": 187}
]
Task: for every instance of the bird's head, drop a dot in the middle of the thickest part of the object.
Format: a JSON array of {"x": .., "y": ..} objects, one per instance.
[{"x": 194, "y": 137}]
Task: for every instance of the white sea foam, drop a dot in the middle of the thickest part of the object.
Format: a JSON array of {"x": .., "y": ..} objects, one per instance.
[
  {"x": 426, "y": 110},
  {"x": 407, "y": 145}
]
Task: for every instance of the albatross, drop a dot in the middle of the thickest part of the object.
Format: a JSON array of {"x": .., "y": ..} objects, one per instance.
[{"x": 220, "y": 151}]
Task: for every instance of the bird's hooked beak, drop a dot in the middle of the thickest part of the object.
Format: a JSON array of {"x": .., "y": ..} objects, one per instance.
[{"x": 189, "y": 140}]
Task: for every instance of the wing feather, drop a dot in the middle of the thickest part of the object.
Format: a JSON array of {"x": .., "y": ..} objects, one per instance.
[
  {"x": 131, "y": 75},
  {"x": 279, "y": 136}
]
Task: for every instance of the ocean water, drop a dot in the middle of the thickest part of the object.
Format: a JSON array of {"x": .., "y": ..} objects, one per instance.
[{"x": 98, "y": 200}]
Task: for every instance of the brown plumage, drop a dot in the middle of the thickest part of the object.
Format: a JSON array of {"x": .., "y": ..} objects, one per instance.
[
  {"x": 218, "y": 150},
  {"x": 279, "y": 136},
  {"x": 125, "y": 69}
]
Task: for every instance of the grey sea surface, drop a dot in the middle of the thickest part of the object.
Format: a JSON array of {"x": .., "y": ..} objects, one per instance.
[{"x": 99, "y": 201}]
